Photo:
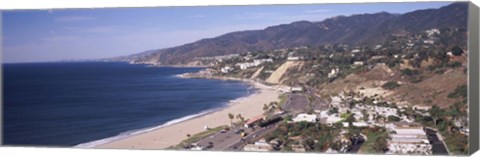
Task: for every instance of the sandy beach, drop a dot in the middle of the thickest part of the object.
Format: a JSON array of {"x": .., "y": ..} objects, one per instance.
[{"x": 161, "y": 138}]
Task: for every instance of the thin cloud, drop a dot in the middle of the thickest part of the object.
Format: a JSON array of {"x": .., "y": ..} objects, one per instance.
[
  {"x": 257, "y": 15},
  {"x": 74, "y": 18},
  {"x": 318, "y": 11},
  {"x": 198, "y": 16}
]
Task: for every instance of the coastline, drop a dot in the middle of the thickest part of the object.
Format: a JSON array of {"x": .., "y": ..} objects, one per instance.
[{"x": 166, "y": 135}]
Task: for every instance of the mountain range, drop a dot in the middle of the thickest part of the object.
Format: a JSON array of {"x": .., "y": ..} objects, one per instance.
[{"x": 360, "y": 29}]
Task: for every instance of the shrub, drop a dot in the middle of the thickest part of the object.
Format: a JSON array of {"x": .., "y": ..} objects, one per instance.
[
  {"x": 393, "y": 118},
  {"x": 460, "y": 91},
  {"x": 457, "y": 51},
  {"x": 454, "y": 64},
  {"x": 409, "y": 72},
  {"x": 390, "y": 85}
]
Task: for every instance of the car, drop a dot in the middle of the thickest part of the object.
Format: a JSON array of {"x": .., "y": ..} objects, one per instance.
[{"x": 238, "y": 131}]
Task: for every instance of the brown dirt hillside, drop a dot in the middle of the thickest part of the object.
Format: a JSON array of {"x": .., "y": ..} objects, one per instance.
[
  {"x": 277, "y": 75},
  {"x": 432, "y": 90}
]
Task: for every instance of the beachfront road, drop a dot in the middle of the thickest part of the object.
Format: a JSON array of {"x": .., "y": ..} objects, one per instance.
[{"x": 230, "y": 140}]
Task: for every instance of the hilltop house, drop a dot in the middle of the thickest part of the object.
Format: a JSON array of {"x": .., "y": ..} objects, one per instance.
[
  {"x": 226, "y": 69},
  {"x": 408, "y": 137},
  {"x": 254, "y": 120},
  {"x": 305, "y": 117},
  {"x": 259, "y": 146},
  {"x": 296, "y": 89},
  {"x": 291, "y": 58},
  {"x": 359, "y": 63},
  {"x": 355, "y": 51},
  {"x": 333, "y": 72}
]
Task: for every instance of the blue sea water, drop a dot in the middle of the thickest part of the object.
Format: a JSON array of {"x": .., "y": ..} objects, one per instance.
[{"x": 67, "y": 104}]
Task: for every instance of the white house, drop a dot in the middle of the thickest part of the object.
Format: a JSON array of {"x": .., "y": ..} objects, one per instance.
[
  {"x": 293, "y": 58},
  {"x": 259, "y": 146},
  {"x": 424, "y": 108},
  {"x": 450, "y": 53},
  {"x": 428, "y": 42},
  {"x": 336, "y": 101},
  {"x": 357, "y": 124},
  {"x": 432, "y": 32},
  {"x": 360, "y": 63},
  {"x": 333, "y": 73},
  {"x": 305, "y": 117},
  {"x": 408, "y": 137},
  {"x": 226, "y": 69},
  {"x": 296, "y": 89}
]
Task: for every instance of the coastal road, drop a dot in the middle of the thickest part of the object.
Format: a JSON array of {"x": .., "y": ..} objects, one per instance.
[
  {"x": 230, "y": 140},
  {"x": 438, "y": 147},
  {"x": 254, "y": 136}
]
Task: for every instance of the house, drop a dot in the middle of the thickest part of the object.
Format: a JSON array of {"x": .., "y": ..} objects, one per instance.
[
  {"x": 293, "y": 58},
  {"x": 333, "y": 72},
  {"x": 331, "y": 119},
  {"x": 305, "y": 117},
  {"x": 226, "y": 69},
  {"x": 259, "y": 146},
  {"x": 335, "y": 101},
  {"x": 285, "y": 89},
  {"x": 357, "y": 124},
  {"x": 432, "y": 32},
  {"x": 255, "y": 119},
  {"x": 359, "y": 63},
  {"x": 259, "y": 61},
  {"x": 296, "y": 89},
  {"x": 408, "y": 137},
  {"x": 424, "y": 108},
  {"x": 449, "y": 53},
  {"x": 428, "y": 42},
  {"x": 298, "y": 148}
]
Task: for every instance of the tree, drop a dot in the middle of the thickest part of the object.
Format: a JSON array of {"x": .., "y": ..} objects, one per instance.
[
  {"x": 265, "y": 108},
  {"x": 365, "y": 114},
  {"x": 436, "y": 113},
  {"x": 333, "y": 110},
  {"x": 390, "y": 85},
  {"x": 240, "y": 118},
  {"x": 231, "y": 116},
  {"x": 392, "y": 118},
  {"x": 350, "y": 119},
  {"x": 457, "y": 51},
  {"x": 381, "y": 144}
]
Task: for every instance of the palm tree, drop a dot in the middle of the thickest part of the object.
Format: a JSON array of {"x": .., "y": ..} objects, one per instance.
[
  {"x": 265, "y": 108},
  {"x": 436, "y": 113},
  {"x": 231, "y": 116},
  {"x": 239, "y": 117},
  {"x": 365, "y": 114}
]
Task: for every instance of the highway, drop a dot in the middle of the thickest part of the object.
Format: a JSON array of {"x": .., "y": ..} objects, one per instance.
[{"x": 230, "y": 140}]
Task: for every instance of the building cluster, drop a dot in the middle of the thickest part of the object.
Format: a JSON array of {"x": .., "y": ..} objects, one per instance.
[
  {"x": 259, "y": 146},
  {"x": 408, "y": 138},
  {"x": 255, "y": 63}
]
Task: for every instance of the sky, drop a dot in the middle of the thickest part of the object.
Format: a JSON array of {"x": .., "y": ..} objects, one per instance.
[{"x": 77, "y": 34}]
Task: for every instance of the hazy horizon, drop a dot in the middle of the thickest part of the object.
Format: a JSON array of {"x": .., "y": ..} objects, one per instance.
[{"x": 85, "y": 34}]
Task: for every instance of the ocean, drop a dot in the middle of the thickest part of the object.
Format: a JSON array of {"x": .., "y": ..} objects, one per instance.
[{"x": 88, "y": 103}]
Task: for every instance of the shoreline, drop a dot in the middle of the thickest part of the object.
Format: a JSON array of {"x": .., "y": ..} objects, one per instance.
[{"x": 165, "y": 135}]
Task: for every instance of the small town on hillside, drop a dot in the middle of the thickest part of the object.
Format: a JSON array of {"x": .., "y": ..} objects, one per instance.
[{"x": 406, "y": 95}]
